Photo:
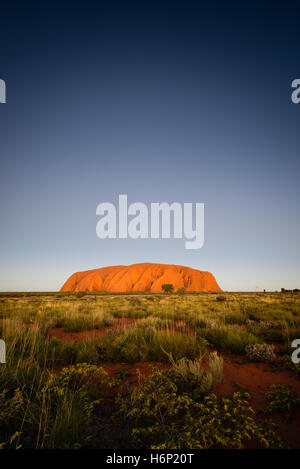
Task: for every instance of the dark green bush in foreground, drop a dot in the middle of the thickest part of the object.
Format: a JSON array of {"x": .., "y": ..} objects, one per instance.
[
  {"x": 165, "y": 419},
  {"x": 281, "y": 399}
]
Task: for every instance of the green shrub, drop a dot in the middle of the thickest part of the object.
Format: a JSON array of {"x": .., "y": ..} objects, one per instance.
[
  {"x": 287, "y": 363},
  {"x": 251, "y": 311},
  {"x": 273, "y": 336},
  {"x": 221, "y": 298},
  {"x": 281, "y": 399},
  {"x": 81, "y": 375},
  {"x": 227, "y": 339},
  {"x": 167, "y": 287},
  {"x": 165, "y": 419}
]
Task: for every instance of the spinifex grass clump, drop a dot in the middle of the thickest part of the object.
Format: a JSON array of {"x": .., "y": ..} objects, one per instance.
[
  {"x": 235, "y": 318},
  {"x": 194, "y": 375},
  {"x": 263, "y": 325},
  {"x": 83, "y": 322},
  {"x": 228, "y": 339},
  {"x": 148, "y": 344},
  {"x": 260, "y": 352},
  {"x": 201, "y": 322}
]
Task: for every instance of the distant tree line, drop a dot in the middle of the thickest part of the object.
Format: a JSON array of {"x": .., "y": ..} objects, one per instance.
[{"x": 295, "y": 290}]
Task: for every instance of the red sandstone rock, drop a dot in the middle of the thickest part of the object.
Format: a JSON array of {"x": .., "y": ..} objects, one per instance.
[{"x": 145, "y": 277}]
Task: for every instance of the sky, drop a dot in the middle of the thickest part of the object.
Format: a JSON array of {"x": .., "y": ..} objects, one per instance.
[{"x": 162, "y": 101}]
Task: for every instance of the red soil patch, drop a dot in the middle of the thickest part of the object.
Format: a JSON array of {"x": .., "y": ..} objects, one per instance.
[
  {"x": 140, "y": 369},
  {"x": 257, "y": 379},
  {"x": 66, "y": 337},
  {"x": 137, "y": 373},
  {"x": 176, "y": 327},
  {"x": 120, "y": 323}
]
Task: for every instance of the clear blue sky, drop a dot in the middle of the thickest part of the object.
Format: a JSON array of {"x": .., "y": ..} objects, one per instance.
[{"x": 160, "y": 101}]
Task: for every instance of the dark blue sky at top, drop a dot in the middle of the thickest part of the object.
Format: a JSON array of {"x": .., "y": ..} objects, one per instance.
[{"x": 179, "y": 101}]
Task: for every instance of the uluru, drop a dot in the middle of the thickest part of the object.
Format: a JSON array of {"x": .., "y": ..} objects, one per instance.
[{"x": 145, "y": 277}]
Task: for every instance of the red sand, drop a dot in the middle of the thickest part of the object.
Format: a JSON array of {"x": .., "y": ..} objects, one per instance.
[
  {"x": 257, "y": 380},
  {"x": 65, "y": 337}
]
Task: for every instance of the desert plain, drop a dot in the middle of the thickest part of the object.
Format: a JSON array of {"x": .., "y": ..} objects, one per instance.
[{"x": 182, "y": 370}]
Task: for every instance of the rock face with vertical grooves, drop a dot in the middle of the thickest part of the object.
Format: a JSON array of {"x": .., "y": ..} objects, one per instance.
[{"x": 145, "y": 277}]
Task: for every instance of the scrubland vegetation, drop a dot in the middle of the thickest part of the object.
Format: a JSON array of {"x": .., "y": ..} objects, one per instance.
[{"x": 70, "y": 378}]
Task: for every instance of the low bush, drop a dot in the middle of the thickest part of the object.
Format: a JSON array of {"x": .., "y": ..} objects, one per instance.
[
  {"x": 167, "y": 288},
  {"x": 260, "y": 352},
  {"x": 286, "y": 363},
  {"x": 164, "y": 418},
  {"x": 251, "y": 311},
  {"x": 226, "y": 339},
  {"x": 190, "y": 375},
  {"x": 221, "y": 298},
  {"x": 273, "y": 336},
  {"x": 281, "y": 399}
]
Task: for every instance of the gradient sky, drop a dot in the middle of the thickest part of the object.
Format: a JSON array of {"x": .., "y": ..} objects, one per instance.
[{"x": 179, "y": 101}]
